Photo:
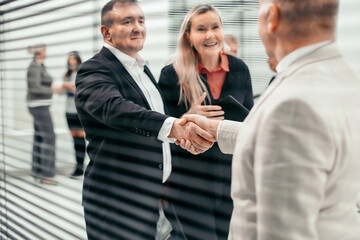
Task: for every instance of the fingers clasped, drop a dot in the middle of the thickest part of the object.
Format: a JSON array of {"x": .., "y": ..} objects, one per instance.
[{"x": 194, "y": 133}]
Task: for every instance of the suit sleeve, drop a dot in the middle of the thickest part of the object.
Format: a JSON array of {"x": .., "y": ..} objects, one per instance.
[
  {"x": 99, "y": 96},
  {"x": 291, "y": 160},
  {"x": 227, "y": 134}
]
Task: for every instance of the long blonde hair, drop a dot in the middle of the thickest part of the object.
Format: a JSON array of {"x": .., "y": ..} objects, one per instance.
[{"x": 186, "y": 59}]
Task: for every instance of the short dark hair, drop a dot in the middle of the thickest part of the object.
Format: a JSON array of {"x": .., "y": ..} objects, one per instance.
[{"x": 106, "y": 18}]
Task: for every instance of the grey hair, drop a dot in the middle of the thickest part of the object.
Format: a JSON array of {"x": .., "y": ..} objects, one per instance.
[
  {"x": 294, "y": 11},
  {"x": 36, "y": 48}
]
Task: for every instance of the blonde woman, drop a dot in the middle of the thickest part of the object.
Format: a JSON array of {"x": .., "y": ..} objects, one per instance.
[{"x": 200, "y": 75}]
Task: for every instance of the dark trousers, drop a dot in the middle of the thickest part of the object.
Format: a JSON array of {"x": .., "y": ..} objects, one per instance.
[
  {"x": 79, "y": 142},
  {"x": 80, "y": 148},
  {"x": 43, "y": 162},
  {"x": 190, "y": 223},
  {"x": 105, "y": 223}
]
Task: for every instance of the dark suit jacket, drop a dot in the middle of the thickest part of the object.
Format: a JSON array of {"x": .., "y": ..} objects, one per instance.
[
  {"x": 202, "y": 182},
  {"x": 124, "y": 176}
]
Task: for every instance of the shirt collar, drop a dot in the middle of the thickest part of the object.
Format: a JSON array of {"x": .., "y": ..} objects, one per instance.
[
  {"x": 298, "y": 54},
  {"x": 125, "y": 59},
  {"x": 224, "y": 65}
]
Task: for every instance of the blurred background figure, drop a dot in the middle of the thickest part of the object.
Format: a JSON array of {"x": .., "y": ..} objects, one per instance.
[
  {"x": 232, "y": 42},
  {"x": 39, "y": 96},
  {"x": 77, "y": 132},
  {"x": 200, "y": 185},
  {"x": 272, "y": 64}
]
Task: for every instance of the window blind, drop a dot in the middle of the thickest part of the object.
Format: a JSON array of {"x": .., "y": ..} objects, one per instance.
[{"x": 29, "y": 210}]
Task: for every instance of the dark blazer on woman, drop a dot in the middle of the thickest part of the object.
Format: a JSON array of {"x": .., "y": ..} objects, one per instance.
[
  {"x": 202, "y": 182},
  {"x": 123, "y": 180}
]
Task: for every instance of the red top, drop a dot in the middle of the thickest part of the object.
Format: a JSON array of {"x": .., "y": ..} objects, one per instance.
[{"x": 217, "y": 77}]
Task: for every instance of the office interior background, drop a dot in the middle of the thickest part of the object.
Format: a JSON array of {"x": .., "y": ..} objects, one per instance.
[{"x": 32, "y": 211}]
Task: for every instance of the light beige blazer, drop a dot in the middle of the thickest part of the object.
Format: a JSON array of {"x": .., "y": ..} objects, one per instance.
[{"x": 296, "y": 164}]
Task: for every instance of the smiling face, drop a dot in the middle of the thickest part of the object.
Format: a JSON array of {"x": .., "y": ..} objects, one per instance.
[
  {"x": 207, "y": 34},
  {"x": 128, "y": 32}
]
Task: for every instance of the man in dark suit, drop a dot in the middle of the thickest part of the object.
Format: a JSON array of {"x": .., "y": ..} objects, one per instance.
[{"x": 122, "y": 112}]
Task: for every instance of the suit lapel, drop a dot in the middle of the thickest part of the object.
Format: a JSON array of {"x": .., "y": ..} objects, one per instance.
[{"x": 121, "y": 70}]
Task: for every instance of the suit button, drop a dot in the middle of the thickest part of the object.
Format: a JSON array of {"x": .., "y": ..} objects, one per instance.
[
  {"x": 140, "y": 131},
  {"x": 148, "y": 134},
  {"x": 160, "y": 166},
  {"x": 136, "y": 130}
]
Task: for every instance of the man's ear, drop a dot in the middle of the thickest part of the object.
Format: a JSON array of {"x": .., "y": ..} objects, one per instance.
[
  {"x": 273, "y": 18},
  {"x": 105, "y": 31}
]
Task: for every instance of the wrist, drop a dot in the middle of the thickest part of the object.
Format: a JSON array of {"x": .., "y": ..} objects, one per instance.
[
  {"x": 213, "y": 128},
  {"x": 172, "y": 133}
]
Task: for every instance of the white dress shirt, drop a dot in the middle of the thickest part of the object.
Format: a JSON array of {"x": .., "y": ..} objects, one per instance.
[{"x": 135, "y": 67}]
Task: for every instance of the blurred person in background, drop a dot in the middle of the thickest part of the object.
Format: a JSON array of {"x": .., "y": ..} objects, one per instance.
[
  {"x": 77, "y": 132},
  {"x": 272, "y": 64},
  {"x": 201, "y": 74},
  {"x": 39, "y": 94},
  {"x": 232, "y": 42}
]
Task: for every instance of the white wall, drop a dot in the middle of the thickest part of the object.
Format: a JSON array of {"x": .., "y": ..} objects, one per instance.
[{"x": 349, "y": 31}]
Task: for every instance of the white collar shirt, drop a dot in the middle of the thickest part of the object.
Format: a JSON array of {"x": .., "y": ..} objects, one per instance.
[{"x": 135, "y": 67}]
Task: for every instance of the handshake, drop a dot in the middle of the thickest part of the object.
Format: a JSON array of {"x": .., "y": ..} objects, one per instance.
[{"x": 194, "y": 133}]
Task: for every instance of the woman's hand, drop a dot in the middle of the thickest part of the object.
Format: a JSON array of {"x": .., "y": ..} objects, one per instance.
[
  {"x": 57, "y": 88},
  {"x": 209, "y": 111},
  {"x": 69, "y": 86}
]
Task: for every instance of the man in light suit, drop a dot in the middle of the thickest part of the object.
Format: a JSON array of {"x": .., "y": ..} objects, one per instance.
[
  {"x": 122, "y": 112},
  {"x": 295, "y": 172}
]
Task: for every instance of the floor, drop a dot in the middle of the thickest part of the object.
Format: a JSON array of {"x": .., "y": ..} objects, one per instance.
[{"x": 31, "y": 210}]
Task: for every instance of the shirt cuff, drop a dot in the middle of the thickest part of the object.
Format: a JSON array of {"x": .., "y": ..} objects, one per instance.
[
  {"x": 166, "y": 129},
  {"x": 217, "y": 130}
]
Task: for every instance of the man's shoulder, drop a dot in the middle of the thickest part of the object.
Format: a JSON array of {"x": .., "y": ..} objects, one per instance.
[
  {"x": 98, "y": 58},
  {"x": 98, "y": 62}
]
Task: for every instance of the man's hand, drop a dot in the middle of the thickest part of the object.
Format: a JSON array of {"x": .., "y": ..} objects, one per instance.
[
  {"x": 206, "y": 124},
  {"x": 199, "y": 139},
  {"x": 210, "y": 111}
]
